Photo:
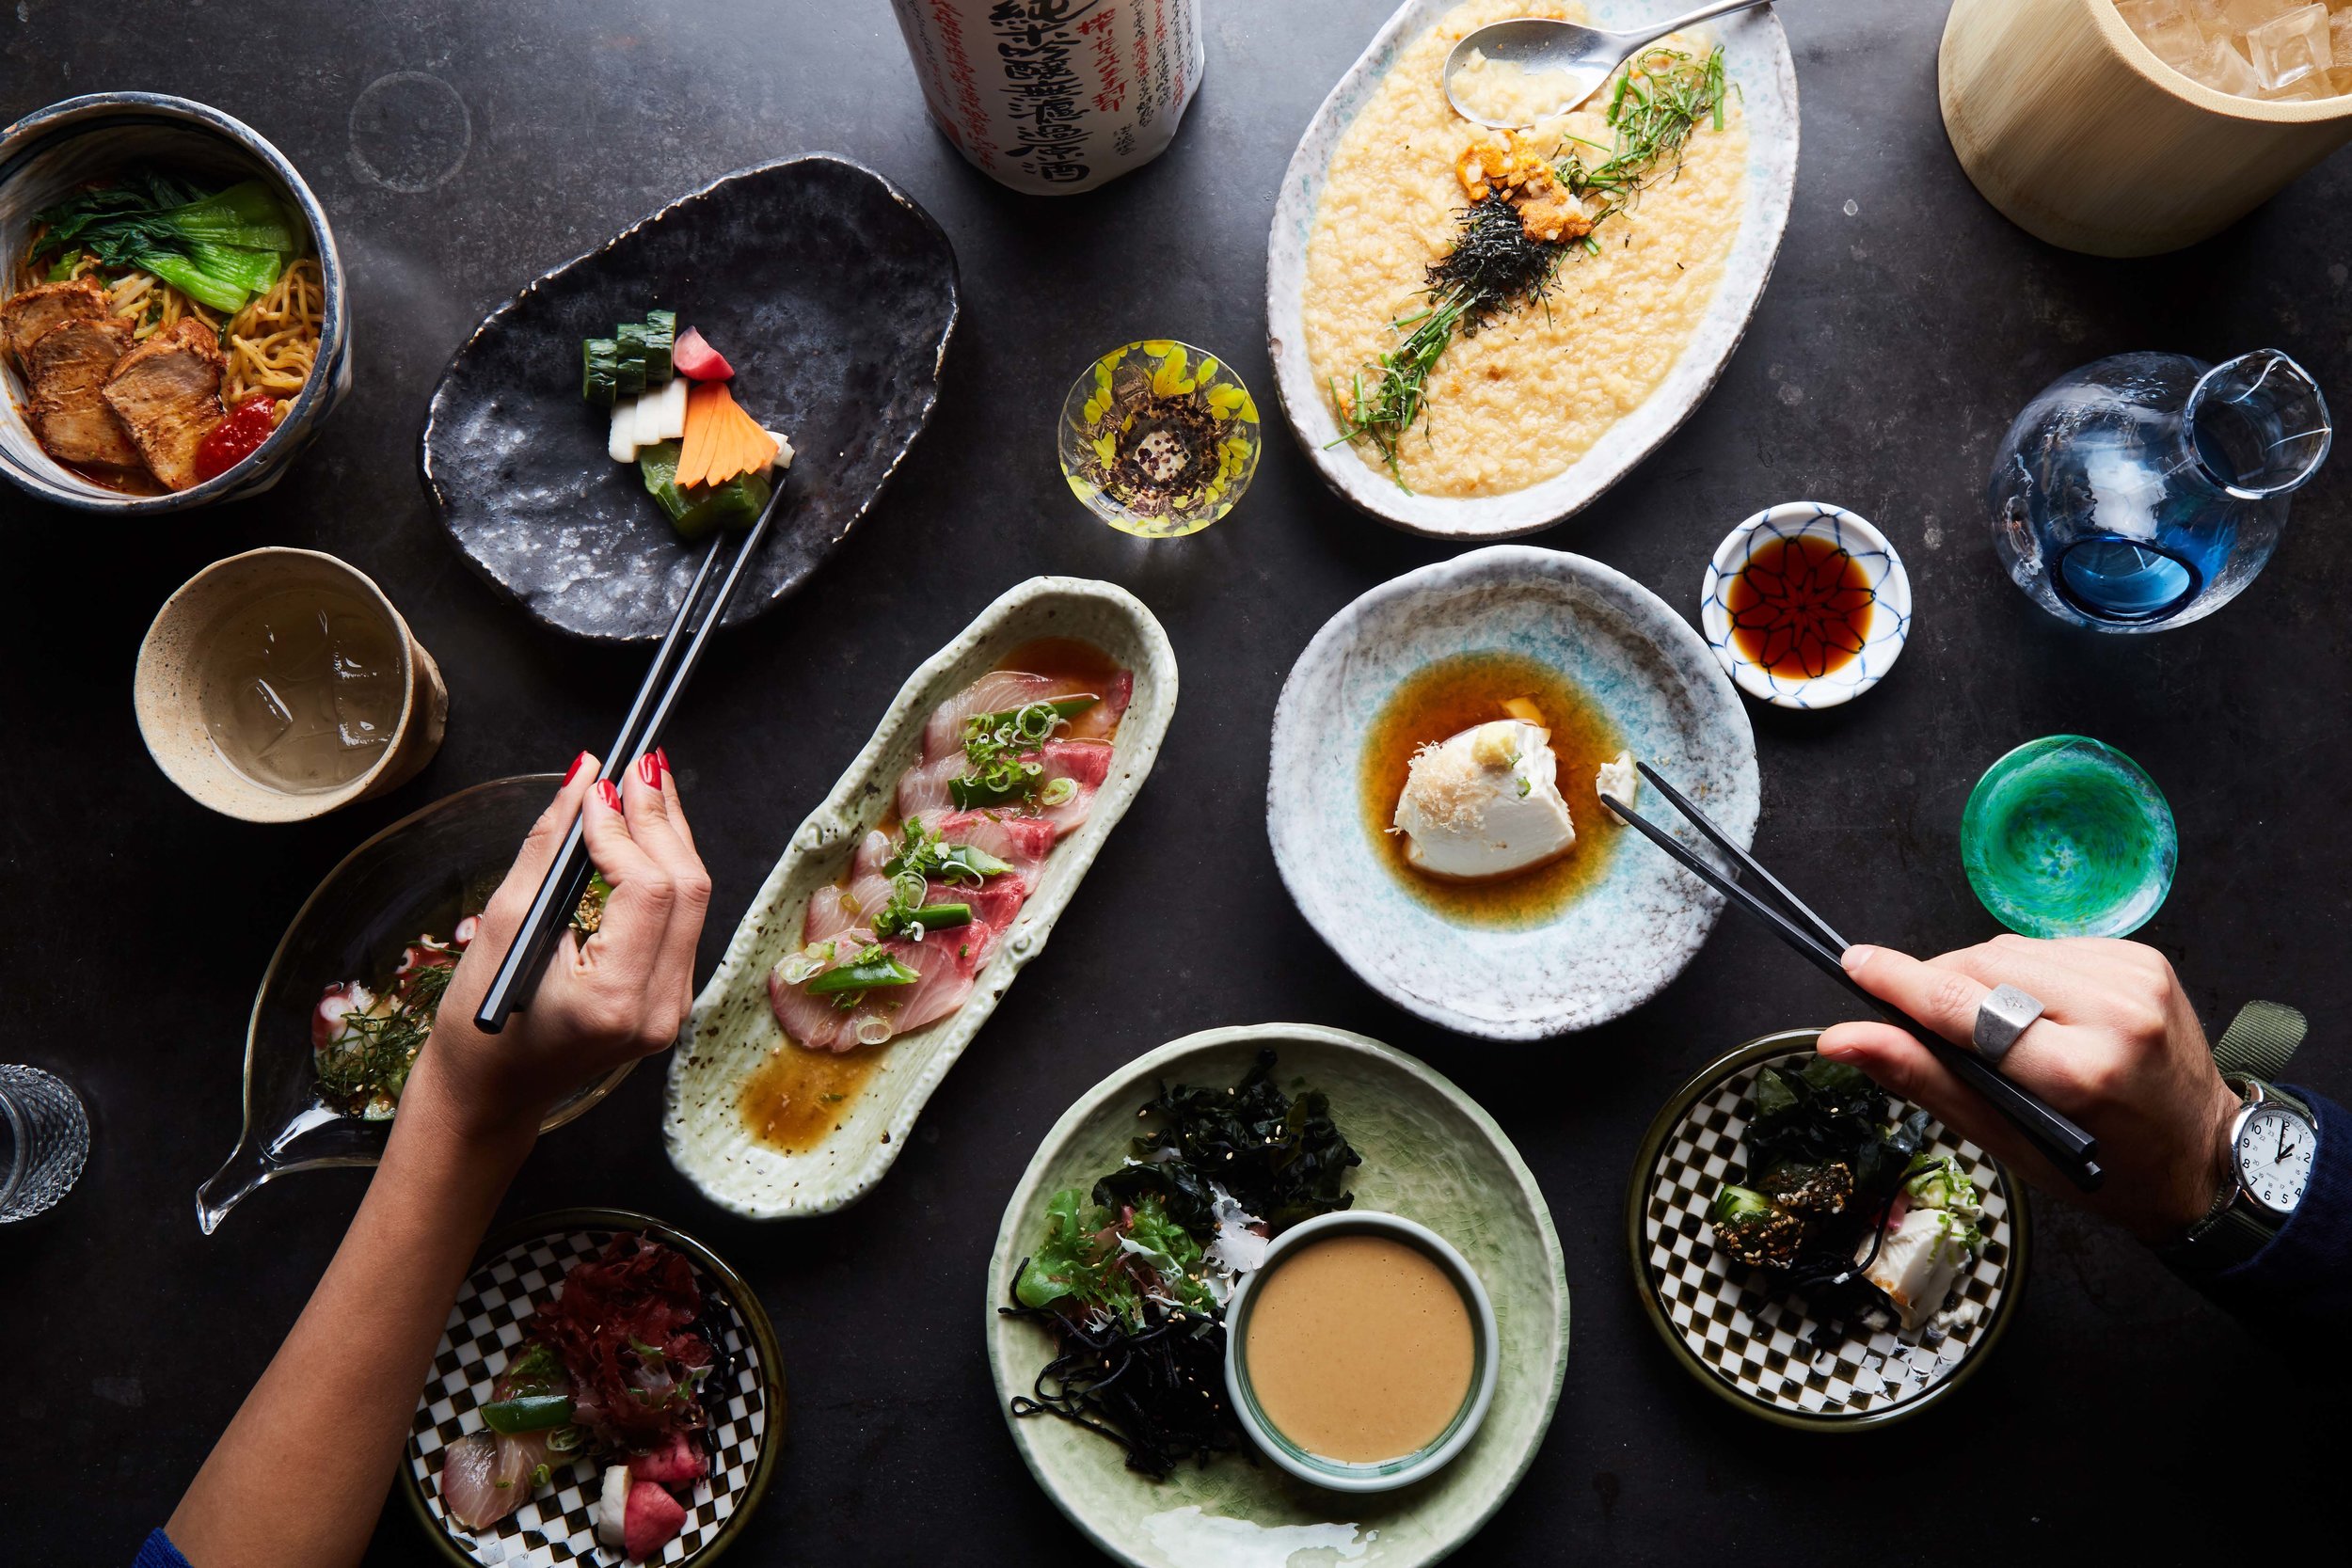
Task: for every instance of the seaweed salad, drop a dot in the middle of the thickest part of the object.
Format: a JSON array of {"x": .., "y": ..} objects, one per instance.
[{"x": 1132, "y": 1277}]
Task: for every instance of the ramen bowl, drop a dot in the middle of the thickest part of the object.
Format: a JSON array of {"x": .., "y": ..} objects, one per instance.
[{"x": 49, "y": 154}]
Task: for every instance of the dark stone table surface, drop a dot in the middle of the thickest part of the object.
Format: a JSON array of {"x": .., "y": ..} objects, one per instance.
[{"x": 2122, "y": 1418}]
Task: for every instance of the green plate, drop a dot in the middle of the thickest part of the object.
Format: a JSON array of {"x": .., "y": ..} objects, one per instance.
[
  {"x": 519, "y": 1271},
  {"x": 1749, "y": 1344},
  {"x": 1430, "y": 1154}
]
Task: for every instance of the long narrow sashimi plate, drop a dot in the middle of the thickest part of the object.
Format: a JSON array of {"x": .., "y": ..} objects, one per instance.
[{"x": 733, "y": 1031}]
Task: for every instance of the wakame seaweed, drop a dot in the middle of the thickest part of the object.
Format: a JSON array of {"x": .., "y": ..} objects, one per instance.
[
  {"x": 1826, "y": 1113},
  {"x": 1283, "y": 1159}
]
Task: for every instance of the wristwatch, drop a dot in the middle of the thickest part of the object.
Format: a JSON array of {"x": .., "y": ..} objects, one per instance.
[{"x": 2272, "y": 1140}]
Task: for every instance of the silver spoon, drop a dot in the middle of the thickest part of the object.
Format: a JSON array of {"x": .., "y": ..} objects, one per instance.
[{"x": 1581, "y": 56}]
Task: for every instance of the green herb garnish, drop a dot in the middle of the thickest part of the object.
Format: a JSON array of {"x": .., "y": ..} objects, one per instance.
[{"x": 1000, "y": 752}]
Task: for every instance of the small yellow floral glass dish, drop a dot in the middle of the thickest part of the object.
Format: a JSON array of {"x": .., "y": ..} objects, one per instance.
[{"x": 1159, "y": 439}]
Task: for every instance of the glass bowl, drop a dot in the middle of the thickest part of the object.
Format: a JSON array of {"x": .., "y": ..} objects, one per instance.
[
  {"x": 409, "y": 879},
  {"x": 2066, "y": 836},
  {"x": 1159, "y": 439}
]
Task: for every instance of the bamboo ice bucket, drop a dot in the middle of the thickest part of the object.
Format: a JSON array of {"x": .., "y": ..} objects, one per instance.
[{"x": 2072, "y": 128}]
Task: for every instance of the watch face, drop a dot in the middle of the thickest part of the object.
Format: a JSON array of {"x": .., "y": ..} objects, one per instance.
[{"x": 2274, "y": 1157}]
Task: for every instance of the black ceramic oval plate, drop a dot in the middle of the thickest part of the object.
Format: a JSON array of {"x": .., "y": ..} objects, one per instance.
[{"x": 831, "y": 293}]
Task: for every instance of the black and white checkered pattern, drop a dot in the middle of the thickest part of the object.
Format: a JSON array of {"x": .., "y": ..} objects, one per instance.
[
  {"x": 558, "y": 1526},
  {"x": 1756, "y": 1340}
]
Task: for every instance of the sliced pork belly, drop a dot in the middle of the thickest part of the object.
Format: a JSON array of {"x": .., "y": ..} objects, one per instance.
[
  {"x": 923, "y": 791},
  {"x": 27, "y": 315},
  {"x": 947, "y": 962},
  {"x": 1003, "y": 690},
  {"x": 167, "y": 393},
  {"x": 67, "y": 368}
]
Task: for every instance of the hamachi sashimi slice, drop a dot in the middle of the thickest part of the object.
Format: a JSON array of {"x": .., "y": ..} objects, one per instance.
[
  {"x": 486, "y": 1477},
  {"x": 946, "y": 962},
  {"x": 923, "y": 791},
  {"x": 1021, "y": 841},
  {"x": 1003, "y": 690}
]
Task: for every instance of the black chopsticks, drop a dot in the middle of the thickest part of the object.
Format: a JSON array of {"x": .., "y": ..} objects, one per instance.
[
  {"x": 566, "y": 880},
  {"x": 2064, "y": 1144}
]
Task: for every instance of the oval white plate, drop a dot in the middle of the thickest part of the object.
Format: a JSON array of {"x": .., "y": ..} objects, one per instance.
[
  {"x": 1621, "y": 940},
  {"x": 732, "y": 1029},
  {"x": 1430, "y": 1154},
  {"x": 1755, "y": 53}
]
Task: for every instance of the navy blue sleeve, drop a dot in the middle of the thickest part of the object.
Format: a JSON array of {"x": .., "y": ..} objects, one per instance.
[
  {"x": 157, "y": 1551},
  {"x": 2303, "y": 1280}
]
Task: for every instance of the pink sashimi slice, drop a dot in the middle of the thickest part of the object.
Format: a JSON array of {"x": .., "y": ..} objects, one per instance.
[
  {"x": 678, "y": 1464},
  {"x": 1003, "y": 690},
  {"x": 923, "y": 790},
  {"x": 1021, "y": 841},
  {"x": 486, "y": 1477},
  {"x": 834, "y": 910},
  {"x": 947, "y": 962},
  {"x": 652, "y": 1519}
]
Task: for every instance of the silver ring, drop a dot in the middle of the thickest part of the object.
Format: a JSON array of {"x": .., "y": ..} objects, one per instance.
[{"x": 2001, "y": 1016}]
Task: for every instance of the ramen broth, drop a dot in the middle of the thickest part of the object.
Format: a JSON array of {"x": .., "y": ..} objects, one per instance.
[
  {"x": 302, "y": 689},
  {"x": 1359, "y": 1348}
]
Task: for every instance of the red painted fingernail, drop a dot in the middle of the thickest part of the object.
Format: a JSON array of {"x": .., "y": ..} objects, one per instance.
[
  {"x": 661, "y": 755},
  {"x": 608, "y": 794},
  {"x": 573, "y": 771},
  {"x": 649, "y": 769}
]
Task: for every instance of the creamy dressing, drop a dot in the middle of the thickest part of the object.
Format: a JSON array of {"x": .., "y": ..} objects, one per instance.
[{"x": 1359, "y": 1347}]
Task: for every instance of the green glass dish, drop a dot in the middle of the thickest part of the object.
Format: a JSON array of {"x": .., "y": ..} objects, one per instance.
[
  {"x": 2066, "y": 836},
  {"x": 1159, "y": 439}
]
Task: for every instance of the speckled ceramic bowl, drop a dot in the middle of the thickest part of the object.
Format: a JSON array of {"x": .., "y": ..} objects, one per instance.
[
  {"x": 47, "y": 154},
  {"x": 1755, "y": 53},
  {"x": 733, "y": 1030},
  {"x": 1627, "y": 934},
  {"x": 1430, "y": 1154},
  {"x": 1882, "y": 568}
]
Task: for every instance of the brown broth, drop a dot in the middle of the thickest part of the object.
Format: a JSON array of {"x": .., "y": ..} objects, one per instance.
[
  {"x": 1449, "y": 697},
  {"x": 796, "y": 1098},
  {"x": 1062, "y": 657}
]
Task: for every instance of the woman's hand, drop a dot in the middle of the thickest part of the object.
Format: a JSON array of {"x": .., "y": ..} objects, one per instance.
[
  {"x": 618, "y": 995},
  {"x": 2117, "y": 1048}
]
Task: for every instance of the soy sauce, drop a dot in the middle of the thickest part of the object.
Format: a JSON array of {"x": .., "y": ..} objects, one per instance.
[{"x": 1800, "y": 608}]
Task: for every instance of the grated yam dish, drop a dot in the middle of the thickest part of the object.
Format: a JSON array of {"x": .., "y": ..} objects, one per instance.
[{"x": 1532, "y": 392}]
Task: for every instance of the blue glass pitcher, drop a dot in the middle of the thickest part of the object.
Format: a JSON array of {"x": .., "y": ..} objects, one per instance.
[{"x": 2142, "y": 492}]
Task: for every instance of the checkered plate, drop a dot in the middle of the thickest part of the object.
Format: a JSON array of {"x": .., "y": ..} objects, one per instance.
[
  {"x": 1747, "y": 1342},
  {"x": 520, "y": 1270}
]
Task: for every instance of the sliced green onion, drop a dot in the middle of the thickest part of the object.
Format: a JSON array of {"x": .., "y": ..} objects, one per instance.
[{"x": 1059, "y": 792}]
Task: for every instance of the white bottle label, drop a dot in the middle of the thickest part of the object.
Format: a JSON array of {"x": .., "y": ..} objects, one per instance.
[{"x": 1055, "y": 96}]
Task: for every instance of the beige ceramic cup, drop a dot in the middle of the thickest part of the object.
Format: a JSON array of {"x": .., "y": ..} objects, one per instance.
[
  {"x": 168, "y": 688},
  {"x": 2072, "y": 128}
]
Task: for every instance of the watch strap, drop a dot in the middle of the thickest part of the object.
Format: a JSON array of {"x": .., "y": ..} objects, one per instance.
[{"x": 2260, "y": 1040}]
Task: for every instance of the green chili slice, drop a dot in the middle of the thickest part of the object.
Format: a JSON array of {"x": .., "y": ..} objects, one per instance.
[
  {"x": 868, "y": 971},
  {"x": 527, "y": 1413}
]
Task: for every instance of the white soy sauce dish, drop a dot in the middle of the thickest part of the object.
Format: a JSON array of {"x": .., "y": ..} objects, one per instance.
[{"x": 1814, "y": 646}]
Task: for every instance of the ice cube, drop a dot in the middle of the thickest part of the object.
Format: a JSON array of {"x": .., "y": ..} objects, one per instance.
[
  {"x": 2309, "y": 87},
  {"x": 2291, "y": 50},
  {"x": 2224, "y": 70},
  {"x": 2339, "y": 38},
  {"x": 2244, "y": 16},
  {"x": 2164, "y": 27},
  {"x": 263, "y": 714}
]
